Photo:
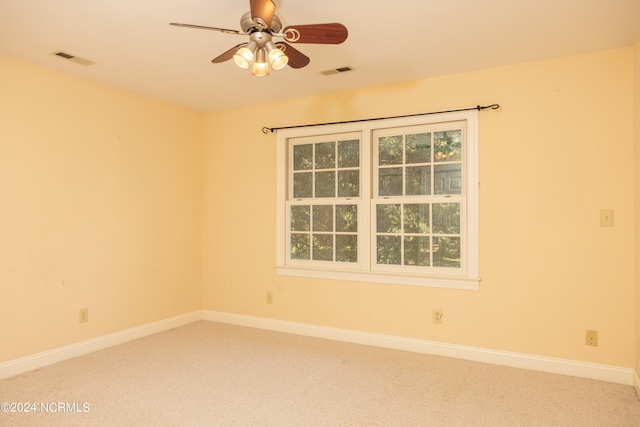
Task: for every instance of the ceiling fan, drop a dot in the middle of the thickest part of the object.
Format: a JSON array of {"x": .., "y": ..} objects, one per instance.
[{"x": 261, "y": 24}]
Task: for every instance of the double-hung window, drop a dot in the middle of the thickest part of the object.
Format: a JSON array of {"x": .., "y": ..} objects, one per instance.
[{"x": 391, "y": 201}]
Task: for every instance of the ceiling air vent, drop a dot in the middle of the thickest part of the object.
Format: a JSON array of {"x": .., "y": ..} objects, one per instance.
[
  {"x": 73, "y": 58},
  {"x": 337, "y": 71}
]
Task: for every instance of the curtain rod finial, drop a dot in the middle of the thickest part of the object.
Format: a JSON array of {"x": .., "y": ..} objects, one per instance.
[{"x": 492, "y": 106}]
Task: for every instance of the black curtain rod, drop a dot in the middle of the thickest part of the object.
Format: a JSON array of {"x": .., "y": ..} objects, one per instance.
[{"x": 266, "y": 130}]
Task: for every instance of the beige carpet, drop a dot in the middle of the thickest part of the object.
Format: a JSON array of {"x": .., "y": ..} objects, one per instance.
[{"x": 211, "y": 374}]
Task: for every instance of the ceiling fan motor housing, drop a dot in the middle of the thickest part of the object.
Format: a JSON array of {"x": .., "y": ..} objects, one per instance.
[{"x": 249, "y": 25}]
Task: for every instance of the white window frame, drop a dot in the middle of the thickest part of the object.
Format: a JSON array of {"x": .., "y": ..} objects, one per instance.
[{"x": 464, "y": 278}]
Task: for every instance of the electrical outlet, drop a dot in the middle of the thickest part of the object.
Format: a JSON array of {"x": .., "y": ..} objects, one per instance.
[
  {"x": 269, "y": 297},
  {"x": 83, "y": 315},
  {"x": 592, "y": 338},
  {"x": 437, "y": 315}
]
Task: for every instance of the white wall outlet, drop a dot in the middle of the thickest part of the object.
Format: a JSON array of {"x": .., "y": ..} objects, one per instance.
[
  {"x": 83, "y": 315},
  {"x": 437, "y": 315}
]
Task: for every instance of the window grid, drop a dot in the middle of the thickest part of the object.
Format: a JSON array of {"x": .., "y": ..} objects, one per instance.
[
  {"x": 314, "y": 240},
  {"x": 425, "y": 165},
  {"x": 415, "y": 234},
  {"x": 324, "y": 169}
]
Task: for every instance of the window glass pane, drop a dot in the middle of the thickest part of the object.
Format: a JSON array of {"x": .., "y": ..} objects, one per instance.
[
  {"x": 302, "y": 185},
  {"x": 323, "y": 247},
  {"x": 416, "y": 218},
  {"x": 346, "y": 248},
  {"x": 300, "y": 247},
  {"x": 446, "y": 252},
  {"x": 325, "y": 155},
  {"x": 448, "y": 179},
  {"x": 418, "y": 148},
  {"x": 302, "y": 157},
  {"x": 390, "y": 150},
  {"x": 300, "y": 218},
  {"x": 388, "y": 250},
  {"x": 347, "y": 218},
  {"x": 388, "y": 218},
  {"x": 418, "y": 181},
  {"x": 349, "y": 183},
  {"x": 416, "y": 250},
  {"x": 349, "y": 154},
  {"x": 446, "y": 218},
  {"x": 390, "y": 182},
  {"x": 326, "y": 184},
  {"x": 323, "y": 218},
  {"x": 447, "y": 145}
]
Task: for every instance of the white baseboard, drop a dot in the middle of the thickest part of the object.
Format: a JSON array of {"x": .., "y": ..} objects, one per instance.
[
  {"x": 574, "y": 368},
  {"x": 608, "y": 373},
  {"x": 38, "y": 360}
]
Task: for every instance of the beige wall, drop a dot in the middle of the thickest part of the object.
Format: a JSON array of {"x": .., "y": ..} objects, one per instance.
[
  {"x": 560, "y": 149},
  {"x": 101, "y": 195},
  {"x": 637, "y": 202},
  {"x": 100, "y": 207}
]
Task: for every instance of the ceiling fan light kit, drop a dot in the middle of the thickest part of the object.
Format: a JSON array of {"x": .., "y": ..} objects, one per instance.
[{"x": 260, "y": 53}]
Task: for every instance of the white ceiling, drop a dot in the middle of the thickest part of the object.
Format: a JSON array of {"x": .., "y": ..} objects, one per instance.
[{"x": 389, "y": 41}]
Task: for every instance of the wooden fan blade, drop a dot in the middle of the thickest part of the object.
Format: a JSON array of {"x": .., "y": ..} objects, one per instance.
[
  {"x": 316, "y": 33},
  {"x": 297, "y": 59},
  {"x": 201, "y": 27},
  {"x": 228, "y": 54},
  {"x": 263, "y": 10}
]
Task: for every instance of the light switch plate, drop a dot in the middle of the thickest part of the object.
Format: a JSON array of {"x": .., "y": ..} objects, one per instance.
[{"x": 606, "y": 217}]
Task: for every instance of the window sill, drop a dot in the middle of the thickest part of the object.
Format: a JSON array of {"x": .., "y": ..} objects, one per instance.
[{"x": 451, "y": 282}]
